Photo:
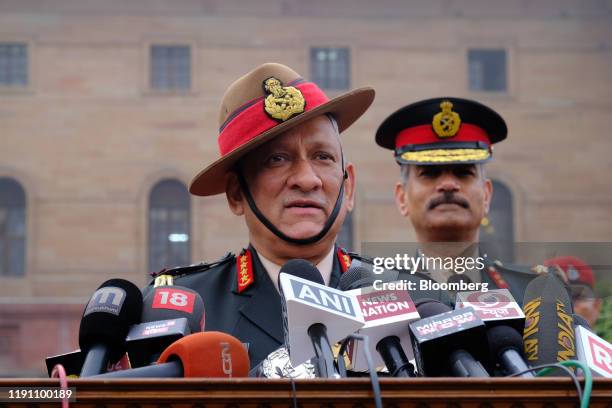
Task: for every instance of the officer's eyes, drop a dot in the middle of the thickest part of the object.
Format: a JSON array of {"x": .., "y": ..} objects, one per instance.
[
  {"x": 324, "y": 156},
  {"x": 429, "y": 172},
  {"x": 464, "y": 171},
  {"x": 276, "y": 158}
]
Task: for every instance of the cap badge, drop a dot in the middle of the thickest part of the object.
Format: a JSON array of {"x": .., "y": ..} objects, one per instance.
[
  {"x": 283, "y": 101},
  {"x": 447, "y": 122}
]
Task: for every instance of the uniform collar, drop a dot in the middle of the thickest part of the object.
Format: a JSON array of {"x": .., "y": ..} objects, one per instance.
[{"x": 325, "y": 267}]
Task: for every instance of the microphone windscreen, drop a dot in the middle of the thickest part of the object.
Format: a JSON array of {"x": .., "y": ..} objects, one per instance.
[
  {"x": 113, "y": 308},
  {"x": 502, "y": 338},
  {"x": 302, "y": 269},
  {"x": 174, "y": 302},
  {"x": 549, "y": 326},
  {"x": 361, "y": 274},
  {"x": 209, "y": 354},
  {"x": 430, "y": 307}
]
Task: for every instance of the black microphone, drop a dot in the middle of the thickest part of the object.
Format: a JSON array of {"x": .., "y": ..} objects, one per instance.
[
  {"x": 506, "y": 345},
  {"x": 317, "y": 331},
  {"x": 387, "y": 313},
  {"x": 169, "y": 313},
  {"x": 445, "y": 342},
  {"x": 497, "y": 308},
  {"x": 113, "y": 308},
  {"x": 549, "y": 327}
]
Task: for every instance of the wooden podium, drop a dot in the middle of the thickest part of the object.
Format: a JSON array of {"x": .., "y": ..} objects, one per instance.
[{"x": 356, "y": 392}]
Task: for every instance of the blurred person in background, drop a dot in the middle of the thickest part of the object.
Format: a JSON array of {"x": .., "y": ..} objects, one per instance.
[{"x": 581, "y": 282}]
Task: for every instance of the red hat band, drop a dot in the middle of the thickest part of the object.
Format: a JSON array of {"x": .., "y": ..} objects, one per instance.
[
  {"x": 251, "y": 119},
  {"x": 424, "y": 134}
]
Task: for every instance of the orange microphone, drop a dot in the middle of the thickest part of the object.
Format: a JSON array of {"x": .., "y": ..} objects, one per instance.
[{"x": 206, "y": 354}]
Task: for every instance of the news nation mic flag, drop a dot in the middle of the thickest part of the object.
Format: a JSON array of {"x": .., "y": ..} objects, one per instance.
[
  {"x": 386, "y": 313},
  {"x": 594, "y": 351},
  {"x": 494, "y": 307},
  {"x": 306, "y": 303}
]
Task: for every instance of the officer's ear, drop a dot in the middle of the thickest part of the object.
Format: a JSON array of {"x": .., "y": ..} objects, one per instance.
[
  {"x": 401, "y": 199},
  {"x": 349, "y": 186},
  {"x": 488, "y": 194},
  {"x": 233, "y": 193}
]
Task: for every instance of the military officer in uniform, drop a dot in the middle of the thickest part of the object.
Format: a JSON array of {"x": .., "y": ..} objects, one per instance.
[
  {"x": 441, "y": 145},
  {"x": 281, "y": 167}
]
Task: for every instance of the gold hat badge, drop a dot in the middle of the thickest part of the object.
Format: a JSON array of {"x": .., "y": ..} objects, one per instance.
[
  {"x": 447, "y": 122},
  {"x": 283, "y": 101}
]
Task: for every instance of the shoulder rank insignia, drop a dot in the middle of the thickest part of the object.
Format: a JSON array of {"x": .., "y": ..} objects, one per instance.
[
  {"x": 447, "y": 122},
  {"x": 344, "y": 258},
  {"x": 179, "y": 271},
  {"x": 163, "y": 280},
  {"x": 283, "y": 102},
  {"x": 244, "y": 270},
  {"x": 497, "y": 278}
]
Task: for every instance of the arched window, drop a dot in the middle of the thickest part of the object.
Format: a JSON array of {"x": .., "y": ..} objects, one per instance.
[
  {"x": 12, "y": 228},
  {"x": 169, "y": 225},
  {"x": 345, "y": 236},
  {"x": 497, "y": 231}
]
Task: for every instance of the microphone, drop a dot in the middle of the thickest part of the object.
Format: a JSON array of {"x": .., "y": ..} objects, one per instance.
[
  {"x": 592, "y": 349},
  {"x": 386, "y": 314},
  {"x": 314, "y": 314},
  {"x": 113, "y": 308},
  {"x": 505, "y": 321},
  {"x": 549, "y": 328},
  {"x": 445, "y": 342},
  {"x": 506, "y": 345},
  {"x": 205, "y": 354},
  {"x": 495, "y": 307},
  {"x": 169, "y": 313}
]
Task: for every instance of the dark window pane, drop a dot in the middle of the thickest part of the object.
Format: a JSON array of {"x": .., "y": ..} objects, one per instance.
[
  {"x": 330, "y": 67},
  {"x": 170, "y": 67},
  {"x": 487, "y": 70},
  {"x": 13, "y": 64},
  {"x": 169, "y": 225},
  {"x": 497, "y": 233},
  {"x": 12, "y": 228}
]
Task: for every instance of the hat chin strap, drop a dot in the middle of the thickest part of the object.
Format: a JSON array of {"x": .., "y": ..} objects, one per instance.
[{"x": 296, "y": 241}]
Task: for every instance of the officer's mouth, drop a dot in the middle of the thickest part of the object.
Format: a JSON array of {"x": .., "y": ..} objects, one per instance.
[
  {"x": 444, "y": 202},
  {"x": 304, "y": 206}
]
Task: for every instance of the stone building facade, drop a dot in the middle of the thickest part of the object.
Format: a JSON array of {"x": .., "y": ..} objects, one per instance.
[{"x": 98, "y": 121}]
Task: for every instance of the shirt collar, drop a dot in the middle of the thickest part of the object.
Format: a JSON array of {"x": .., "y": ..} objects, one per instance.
[{"x": 325, "y": 267}]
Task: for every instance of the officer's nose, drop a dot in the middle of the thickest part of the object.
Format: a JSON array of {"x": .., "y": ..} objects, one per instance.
[
  {"x": 447, "y": 182},
  {"x": 304, "y": 177}
]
